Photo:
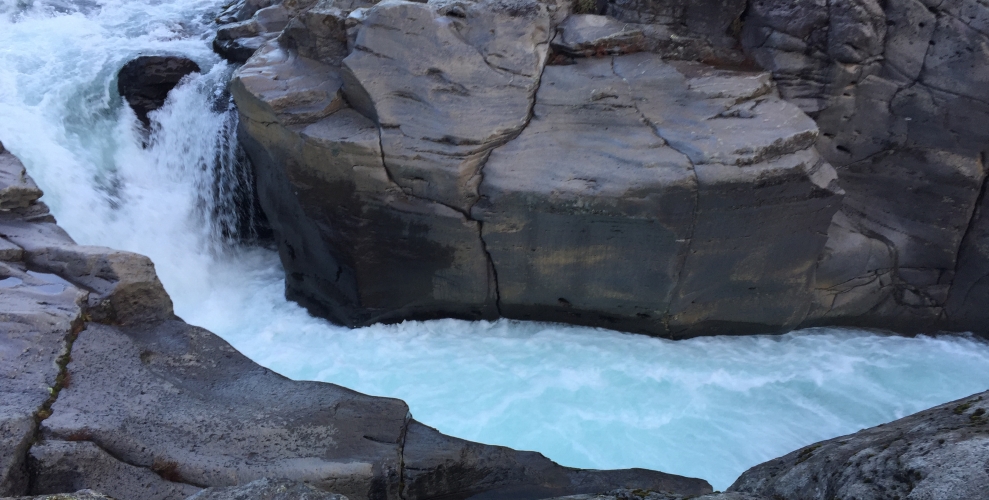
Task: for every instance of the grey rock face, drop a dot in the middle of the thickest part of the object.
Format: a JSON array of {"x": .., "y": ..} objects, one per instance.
[
  {"x": 536, "y": 204},
  {"x": 899, "y": 90},
  {"x": 938, "y": 453},
  {"x": 267, "y": 489},
  {"x": 628, "y": 227}
]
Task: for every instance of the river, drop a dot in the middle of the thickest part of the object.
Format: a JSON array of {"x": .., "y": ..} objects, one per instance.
[{"x": 709, "y": 407}]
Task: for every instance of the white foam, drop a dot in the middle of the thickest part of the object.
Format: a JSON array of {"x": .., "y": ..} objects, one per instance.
[{"x": 708, "y": 407}]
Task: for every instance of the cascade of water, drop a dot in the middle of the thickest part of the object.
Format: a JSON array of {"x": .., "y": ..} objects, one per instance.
[{"x": 585, "y": 397}]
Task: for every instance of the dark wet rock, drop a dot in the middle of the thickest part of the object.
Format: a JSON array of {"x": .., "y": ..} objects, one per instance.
[
  {"x": 146, "y": 81},
  {"x": 898, "y": 90},
  {"x": 938, "y": 453},
  {"x": 267, "y": 489}
]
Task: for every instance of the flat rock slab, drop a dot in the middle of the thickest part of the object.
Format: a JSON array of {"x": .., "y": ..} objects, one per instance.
[
  {"x": 146, "y": 81},
  {"x": 219, "y": 419},
  {"x": 938, "y": 453},
  {"x": 666, "y": 198}
]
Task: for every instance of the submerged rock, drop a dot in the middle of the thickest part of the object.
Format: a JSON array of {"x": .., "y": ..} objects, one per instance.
[{"x": 146, "y": 81}]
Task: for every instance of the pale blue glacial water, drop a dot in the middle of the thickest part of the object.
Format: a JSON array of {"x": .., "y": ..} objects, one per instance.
[{"x": 585, "y": 397}]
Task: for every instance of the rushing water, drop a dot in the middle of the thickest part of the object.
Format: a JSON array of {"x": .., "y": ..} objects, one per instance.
[{"x": 585, "y": 397}]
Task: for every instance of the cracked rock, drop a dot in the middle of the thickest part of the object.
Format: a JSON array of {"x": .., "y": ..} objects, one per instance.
[{"x": 937, "y": 453}]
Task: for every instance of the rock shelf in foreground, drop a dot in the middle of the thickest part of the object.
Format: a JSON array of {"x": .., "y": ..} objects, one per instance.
[{"x": 104, "y": 388}]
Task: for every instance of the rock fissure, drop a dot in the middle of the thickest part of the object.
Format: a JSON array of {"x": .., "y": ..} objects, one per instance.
[{"x": 689, "y": 239}]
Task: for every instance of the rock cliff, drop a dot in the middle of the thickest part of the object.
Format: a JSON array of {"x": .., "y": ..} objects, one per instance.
[
  {"x": 104, "y": 388},
  {"x": 672, "y": 168}
]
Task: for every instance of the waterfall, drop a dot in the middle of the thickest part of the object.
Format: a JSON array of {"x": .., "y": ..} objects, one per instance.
[{"x": 709, "y": 407}]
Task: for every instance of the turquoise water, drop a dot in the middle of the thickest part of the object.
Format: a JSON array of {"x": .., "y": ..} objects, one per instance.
[{"x": 585, "y": 397}]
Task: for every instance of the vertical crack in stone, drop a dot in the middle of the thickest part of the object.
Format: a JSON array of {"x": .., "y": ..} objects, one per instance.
[
  {"x": 682, "y": 265},
  {"x": 969, "y": 229},
  {"x": 401, "y": 455},
  {"x": 62, "y": 379},
  {"x": 530, "y": 113}
]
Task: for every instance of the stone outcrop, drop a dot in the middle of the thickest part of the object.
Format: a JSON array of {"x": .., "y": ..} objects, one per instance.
[
  {"x": 900, "y": 91},
  {"x": 443, "y": 168},
  {"x": 938, "y": 453},
  {"x": 145, "y": 82},
  {"x": 105, "y": 389},
  {"x": 636, "y": 171}
]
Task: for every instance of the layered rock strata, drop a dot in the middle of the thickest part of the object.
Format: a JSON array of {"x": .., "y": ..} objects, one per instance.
[
  {"x": 444, "y": 168},
  {"x": 104, "y": 388}
]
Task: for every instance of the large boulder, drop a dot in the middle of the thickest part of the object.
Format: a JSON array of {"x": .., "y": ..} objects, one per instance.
[
  {"x": 450, "y": 108},
  {"x": 145, "y": 82},
  {"x": 938, "y": 453},
  {"x": 442, "y": 168}
]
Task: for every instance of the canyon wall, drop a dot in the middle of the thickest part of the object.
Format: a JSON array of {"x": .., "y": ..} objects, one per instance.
[{"x": 672, "y": 168}]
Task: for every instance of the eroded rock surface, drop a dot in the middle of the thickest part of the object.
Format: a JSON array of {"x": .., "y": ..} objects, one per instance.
[
  {"x": 900, "y": 91},
  {"x": 105, "y": 389},
  {"x": 938, "y": 453},
  {"x": 443, "y": 168},
  {"x": 632, "y": 170}
]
